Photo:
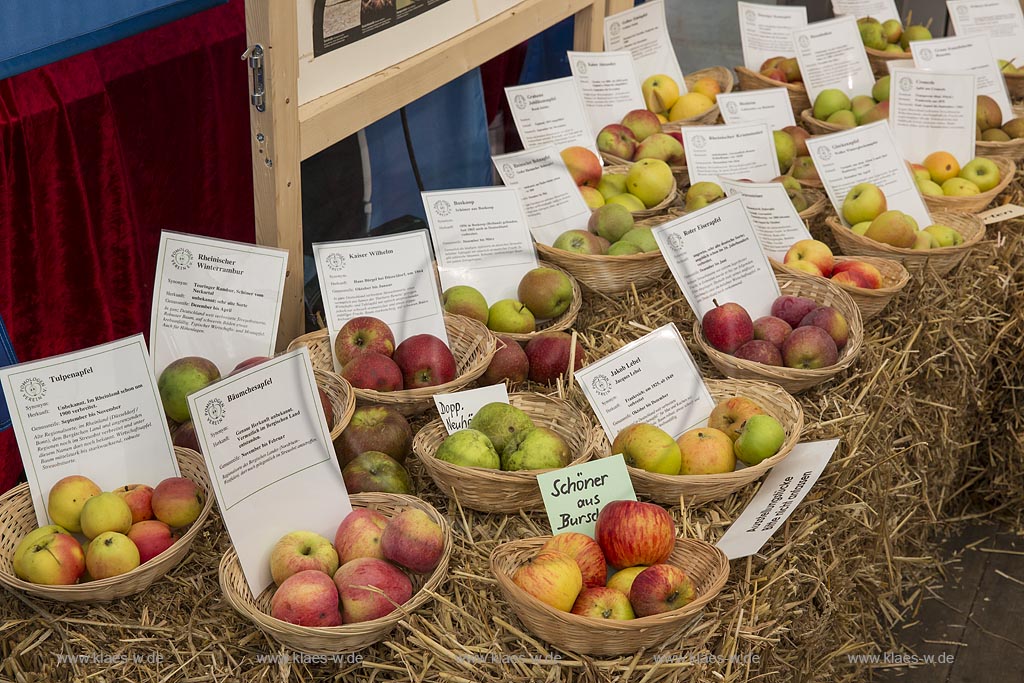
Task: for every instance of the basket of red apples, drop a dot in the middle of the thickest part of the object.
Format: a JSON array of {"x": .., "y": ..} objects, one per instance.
[
  {"x": 560, "y": 588},
  {"x": 102, "y": 545},
  {"x": 340, "y": 595},
  {"x": 753, "y": 427},
  {"x": 777, "y": 72},
  {"x": 491, "y": 464},
  {"x": 813, "y": 333},
  {"x": 876, "y": 231},
  {"x": 405, "y": 376},
  {"x": 871, "y": 281}
]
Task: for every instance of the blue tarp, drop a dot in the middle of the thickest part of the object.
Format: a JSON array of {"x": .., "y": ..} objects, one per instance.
[
  {"x": 7, "y": 357},
  {"x": 37, "y": 32}
]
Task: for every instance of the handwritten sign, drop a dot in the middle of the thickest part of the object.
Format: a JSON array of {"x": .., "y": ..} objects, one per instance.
[
  {"x": 574, "y": 496},
  {"x": 458, "y": 408}
]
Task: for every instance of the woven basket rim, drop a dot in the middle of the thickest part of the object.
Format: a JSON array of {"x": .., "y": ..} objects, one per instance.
[
  {"x": 750, "y": 73},
  {"x": 602, "y": 258},
  {"x": 562, "y": 322},
  {"x": 836, "y": 225},
  {"x": 817, "y": 207},
  {"x": 807, "y": 117},
  {"x": 348, "y": 407}
]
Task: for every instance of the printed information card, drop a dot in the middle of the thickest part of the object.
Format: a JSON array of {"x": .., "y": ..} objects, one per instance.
[
  {"x": 653, "y": 379},
  {"x": 746, "y": 152},
  {"x": 1001, "y": 22},
  {"x": 643, "y": 32},
  {"x": 867, "y": 154},
  {"x": 776, "y": 221},
  {"x": 574, "y": 496},
  {"x": 551, "y": 113},
  {"x": 714, "y": 254},
  {"x": 608, "y": 85},
  {"x": 883, "y": 10},
  {"x": 94, "y": 412},
  {"x": 966, "y": 53},
  {"x": 268, "y": 450},
  {"x": 481, "y": 239},
  {"x": 767, "y": 105},
  {"x": 217, "y": 299},
  {"x": 550, "y": 198},
  {"x": 391, "y": 278},
  {"x": 458, "y": 408},
  {"x": 766, "y": 31},
  {"x": 783, "y": 489},
  {"x": 931, "y": 111},
  {"x": 831, "y": 55}
]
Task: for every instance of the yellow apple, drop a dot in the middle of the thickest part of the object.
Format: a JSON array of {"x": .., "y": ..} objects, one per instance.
[
  {"x": 660, "y": 92},
  {"x": 650, "y": 180}
]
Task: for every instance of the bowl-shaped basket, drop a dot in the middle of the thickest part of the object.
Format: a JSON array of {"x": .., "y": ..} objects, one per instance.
[
  {"x": 795, "y": 380},
  {"x": 818, "y": 204},
  {"x": 752, "y": 80},
  {"x": 706, "y": 565},
  {"x": 562, "y": 322},
  {"x": 1015, "y": 85},
  {"x": 1011, "y": 149},
  {"x": 330, "y": 640},
  {"x": 871, "y": 302},
  {"x": 342, "y": 397},
  {"x": 879, "y": 60},
  {"x": 18, "y": 517},
  {"x": 657, "y": 209},
  {"x": 609, "y": 275},
  {"x": 472, "y": 344},
  {"x": 489, "y": 490},
  {"x": 817, "y": 126},
  {"x": 976, "y": 202},
  {"x": 694, "y": 489},
  {"x": 725, "y": 81},
  {"x": 941, "y": 260}
]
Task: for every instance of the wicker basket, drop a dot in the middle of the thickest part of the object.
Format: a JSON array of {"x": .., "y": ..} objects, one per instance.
[
  {"x": 818, "y": 204},
  {"x": 489, "y": 490},
  {"x": 693, "y": 489},
  {"x": 940, "y": 260},
  {"x": 343, "y": 399},
  {"x": 1014, "y": 85},
  {"x": 752, "y": 80},
  {"x": 975, "y": 202},
  {"x": 705, "y": 564},
  {"x": 18, "y": 517},
  {"x": 817, "y": 126},
  {"x": 795, "y": 380},
  {"x": 658, "y": 208},
  {"x": 1012, "y": 149},
  {"x": 879, "y": 60},
  {"x": 562, "y": 322},
  {"x": 609, "y": 275},
  {"x": 725, "y": 80},
  {"x": 330, "y": 640},
  {"x": 871, "y": 302},
  {"x": 472, "y": 345}
]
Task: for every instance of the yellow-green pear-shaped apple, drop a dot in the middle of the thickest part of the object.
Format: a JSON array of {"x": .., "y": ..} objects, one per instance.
[
  {"x": 105, "y": 512},
  {"x": 466, "y": 301},
  {"x": 649, "y": 448},
  {"x": 860, "y": 228},
  {"x": 540, "y": 449},
  {"x": 830, "y": 101},
  {"x": 893, "y": 228},
  {"x": 929, "y": 188},
  {"x": 469, "y": 448},
  {"x": 914, "y": 33},
  {"x": 864, "y": 202},
  {"x": 611, "y": 184},
  {"x": 503, "y": 424},
  {"x": 111, "y": 554},
  {"x": 650, "y": 181},
  {"x": 703, "y": 193},
  {"x": 959, "y": 187},
  {"x": 944, "y": 235},
  {"x": 641, "y": 237},
  {"x": 880, "y": 90},
  {"x": 628, "y": 200}
]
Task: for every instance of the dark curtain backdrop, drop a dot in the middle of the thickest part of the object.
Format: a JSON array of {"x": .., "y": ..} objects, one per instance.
[{"x": 98, "y": 154}]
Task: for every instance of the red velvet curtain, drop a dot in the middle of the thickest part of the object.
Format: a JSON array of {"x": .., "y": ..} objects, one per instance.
[{"x": 98, "y": 154}]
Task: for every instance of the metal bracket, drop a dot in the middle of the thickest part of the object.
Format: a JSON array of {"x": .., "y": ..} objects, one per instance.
[{"x": 258, "y": 97}]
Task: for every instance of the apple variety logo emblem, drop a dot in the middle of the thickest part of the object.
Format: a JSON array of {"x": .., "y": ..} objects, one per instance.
[
  {"x": 181, "y": 258},
  {"x": 825, "y": 152},
  {"x": 33, "y": 389},
  {"x": 615, "y": 29},
  {"x": 963, "y": 10},
  {"x": 442, "y": 207},
  {"x": 581, "y": 66},
  {"x": 751, "y": 16},
  {"x": 214, "y": 411},
  {"x": 675, "y": 242},
  {"x": 700, "y": 142},
  {"x": 927, "y": 54},
  {"x": 336, "y": 261},
  {"x": 906, "y": 85},
  {"x": 601, "y": 385},
  {"x": 519, "y": 101},
  {"x": 508, "y": 171},
  {"x": 805, "y": 42},
  {"x": 732, "y": 107}
]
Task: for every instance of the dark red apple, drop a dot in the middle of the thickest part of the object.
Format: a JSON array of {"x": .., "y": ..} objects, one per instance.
[
  {"x": 548, "y": 354},
  {"x": 374, "y": 428},
  {"x": 509, "y": 363},
  {"x": 728, "y": 327},
  {"x": 185, "y": 437},
  {"x": 830, "y": 320},
  {"x": 760, "y": 351},
  {"x": 425, "y": 361},
  {"x": 772, "y": 329},
  {"x": 373, "y": 371},
  {"x": 363, "y": 334},
  {"x": 372, "y": 471},
  {"x": 792, "y": 309},
  {"x": 248, "y": 363},
  {"x": 809, "y": 348},
  {"x": 325, "y": 403}
]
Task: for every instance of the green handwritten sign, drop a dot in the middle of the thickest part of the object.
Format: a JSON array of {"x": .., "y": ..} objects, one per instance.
[{"x": 573, "y": 496}]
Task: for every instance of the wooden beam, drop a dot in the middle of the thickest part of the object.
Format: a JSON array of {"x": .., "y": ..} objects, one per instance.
[
  {"x": 588, "y": 29},
  {"x": 616, "y": 6},
  {"x": 276, "y": 172},
  {"x": 333, "y": 117}
]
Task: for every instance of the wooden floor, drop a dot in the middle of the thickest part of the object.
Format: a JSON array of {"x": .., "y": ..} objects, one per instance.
[{"x": 972, "y": 629}]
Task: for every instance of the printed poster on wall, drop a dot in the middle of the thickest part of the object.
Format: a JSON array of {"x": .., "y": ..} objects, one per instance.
[{"x": 337, "y": 23}]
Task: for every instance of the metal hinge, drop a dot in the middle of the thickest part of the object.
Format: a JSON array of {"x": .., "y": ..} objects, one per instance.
[{"x": 258, "y": 97}]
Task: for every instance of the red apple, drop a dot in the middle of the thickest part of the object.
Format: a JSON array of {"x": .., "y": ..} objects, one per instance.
[
  {"x": 632, "y": 533},
  {"x": 362, "y": 334},
  {"x": 728, "y": 327},
  {"x": 52, "y": 559},
  {"x": 425, "y": 361},
  {"x": 373, "y": 471},
  {"x": 359, "y": 534},
  {"x": 308, "y": 598},
  {"x": 600, "y": 602},
  {"x": 587, "y": 554},
  {"x": 812, "y": 251},
  {"x": 301, "y": 550},
  {"x": 139, "y": 498},
  {"x": 509, "y": 364},
  {"x": 772, "y": 329},
  {"x": 548, "y": 354},
  {"x": 185, "y": 437},
  {"x": 248, "y": 363},
  {"x": 760, "y": 351},
  {"x": 792, "y": 309},
  {"x": 374, "y": 428},
  {"x": 151, "y": 537},
  {"x": 858, "y": 273},
  {"x": 325, "y": 405},
  {"x": 617, "y": 140},
  {"x": 583, "y": 165},
  {"x": 830, "y": 320},
  {"x": 355, "y": 581},
  {"x": 413, "y": 540},
  {"x": 552, "y": 577},
  {"x": 177, "y": 501},
  {"x": 809, "y": 347},
  {"x": 799, "y": 136},
  {"x": 374, "y": 371},
  {"x": 660, "y": 588}
]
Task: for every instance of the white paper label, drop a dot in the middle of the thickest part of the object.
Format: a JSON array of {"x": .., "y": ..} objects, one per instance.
[
  {"x": 481, "y": 239},
  {"x": 776, "y": 221},
  {"x": 551, "y": 113},
  {"x": 766, "y": 31},
  {"x": 268, "y": 450},
  {"x": 643, "y": 31},
  {"x": 931, "y": 111},
  {"x": 574, "y": 496},
  {"x": 883, "y": 10},
  {"x": 216, "y": 299},
  {"x": 966, "y": 53},
  {"x": 1001, "y": 213},
  {"x": 782, "y": 491},
  {"x": 831, "y": 55},
  {"x": 653, "y": 380},
  {"x": 767, "y": 105},
  {"x": 94, "y": 412},
  {"x": 714, "y": 254},
  {"x": 458, "y": 408},
  {"x": 391, "y": 278},
  {"x": 608, "y": 84},
  {"x": 1001, "y": 22},
  {"x": 551, "y": 200},
  {"x": 867, "y": 154},
  {"x": 744, "y": 152}
]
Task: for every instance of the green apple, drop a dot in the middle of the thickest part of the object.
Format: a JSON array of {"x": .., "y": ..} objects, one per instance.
[
  {"x": 611, "y": 222},
  {"x": 861, "y": 105},
  {"x": 844, "y": 118},
  {"x": 864, "y": 202},
  {"x": 873, "y": 36},
  {"x": 650, "y": 181},
  {"x": 982, "y": 172},
  {"x": 828, "y": 102},
  {"x": 578, "y": 242},
  {"x": 469, "y": 448},
  {"x": 923, "y": 240},
  {"x": 649, "y": 448},
  {"x": 959, "y": 187},
  {"x": 105, "y": 512},
  {"x": 611, "y": 184},
  {"x": 912, "y": 33},
  {"x": 503, "y": 424},
  {"x": 466, "y": 301},
  {"x": 929, "y": 188},
  {"x": 944, "y": 235},
  {"x": 546, "y": 292},
  {"x": 860, "y": 228},
  {"x": 539, "y": 449},
  {"x": 893, "y": 30},
  {"x": 894, "y": 48},
  {"x": 30, "y": 539},
  {"x": 760, "y": 438},
  {"x": 785, "y": 150},
  {"x": 628, "y": 200},
  {"x": 624, "y": 249},
  {"x": 788, "y": 182},
  {"x": 880, "y": 90},
  {"x": 111, "y": 554},
  {"x": 509, "y": 315},
  {"x": 641, "y": 237},
  {"x": 703, "y": 193}
]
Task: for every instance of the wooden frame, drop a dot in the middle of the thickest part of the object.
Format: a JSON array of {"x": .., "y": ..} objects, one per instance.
[{"x": 285, "y": 133}]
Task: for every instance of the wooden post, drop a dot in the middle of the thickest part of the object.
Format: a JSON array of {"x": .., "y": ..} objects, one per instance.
[
  {"x": 588, "y": 29},
  {"x": 276, "y": 175},
  {"x": 616, "y": 6}
]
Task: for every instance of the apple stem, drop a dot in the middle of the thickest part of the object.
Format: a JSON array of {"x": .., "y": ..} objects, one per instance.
[
  {"x": 929, "y": 24},
  {"x": 673, "y": 596},
  {"x": 55, "y": 558},
  {"x": 715, "y": 302}
]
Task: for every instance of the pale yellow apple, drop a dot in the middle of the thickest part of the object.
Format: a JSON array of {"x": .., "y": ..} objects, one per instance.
[
  {"x": 689, "y": 105},
  {"x": 650, "y": 180},
  {"x": 660, "y": 92}
]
